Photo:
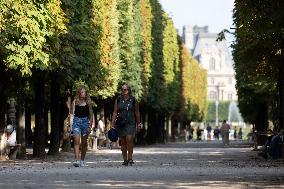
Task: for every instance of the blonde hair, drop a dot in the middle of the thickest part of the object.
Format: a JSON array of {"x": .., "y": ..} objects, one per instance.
[{"x": 87, "y": 97}]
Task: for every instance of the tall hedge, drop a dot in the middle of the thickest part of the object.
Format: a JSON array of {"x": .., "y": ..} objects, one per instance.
[{"x": 130, "y": 44}]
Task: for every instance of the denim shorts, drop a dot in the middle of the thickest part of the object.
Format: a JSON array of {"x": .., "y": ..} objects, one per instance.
[{"x": 80, "y": 125}]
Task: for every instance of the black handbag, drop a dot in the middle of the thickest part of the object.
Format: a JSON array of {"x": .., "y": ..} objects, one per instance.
[{"x": 120, "y": 121}]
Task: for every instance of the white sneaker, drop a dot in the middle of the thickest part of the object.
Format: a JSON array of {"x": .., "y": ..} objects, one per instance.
[
  {"x": 76, "y": 163},
  {"x": 83, "y": 164}
]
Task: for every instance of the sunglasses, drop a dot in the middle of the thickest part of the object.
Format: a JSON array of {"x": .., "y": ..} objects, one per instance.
[{"x": 125, "y": 89}]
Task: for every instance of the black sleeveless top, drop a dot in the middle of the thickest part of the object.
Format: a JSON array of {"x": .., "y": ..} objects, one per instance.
[
  {"x": 126, "y": 108},
  {"x": 81, "y": 111}
]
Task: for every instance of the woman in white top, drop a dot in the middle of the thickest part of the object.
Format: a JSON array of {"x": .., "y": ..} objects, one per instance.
[
  {"x": 8, "y": 144},
  {"x": 101, "y": 131}
]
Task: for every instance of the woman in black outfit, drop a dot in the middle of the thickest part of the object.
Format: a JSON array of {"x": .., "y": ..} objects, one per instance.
[{"x": 128, "y": 109}]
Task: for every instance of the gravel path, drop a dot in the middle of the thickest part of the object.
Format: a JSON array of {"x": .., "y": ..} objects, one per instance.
[{"x": 191, "y": 165}]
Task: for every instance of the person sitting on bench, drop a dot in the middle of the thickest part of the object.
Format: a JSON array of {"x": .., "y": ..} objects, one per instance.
[
  {"x": 273, "y": 146},
  {"x": 10, "y": 142}
]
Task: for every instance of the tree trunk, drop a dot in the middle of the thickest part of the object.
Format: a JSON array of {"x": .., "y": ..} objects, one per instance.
[
  {"x": 174, "y": 128},
  {"x": 11, "y": 117},
  {"x": 3, "y": 109},
  {"x": 152, "y": 127},
  {"x": 40, "y": 127},
  {"x": 261, "y": 123},
  {"x": 55, "y": 116},
  {"x": 4, "y": 90},
  {"x": 66, "y": 143},
  {"x": 161, "y": 123},
  {"x": 262, "y": 118},
  {"x": 140, "y": 134},
  {"x": 46, "y": 125},
  {"x": 28, "y": 125},
  {"x": 21, "y": 139},
  {"x": 281, "y": 93}
]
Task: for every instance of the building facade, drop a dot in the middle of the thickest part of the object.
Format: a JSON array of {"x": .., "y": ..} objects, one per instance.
[{"x": 216, "y": 58}]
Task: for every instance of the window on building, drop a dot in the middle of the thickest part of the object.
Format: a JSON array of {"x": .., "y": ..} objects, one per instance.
[
  {"x": 212, "y": 95},
  {"x": 212, "y": 80},
  {"x": 212, "y": 65},
  {"x": 230, "y": 96}
]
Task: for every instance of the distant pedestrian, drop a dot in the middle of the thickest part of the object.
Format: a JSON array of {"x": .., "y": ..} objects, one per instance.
[
  {"x": 225, "y": 131},
  {"x": 126, "y": 119},
  {"x": 82, "y": 112},
  {"x": 191, "y": 130},
  {"x": 101, "y": 131},
  {"x": 205, "y": 134},
  {"x": 216, "y": 133},
  {"x": 175, "y": 133},
  {"x": 235, "y": 133},
  {"x": 240, "y": 134},
  {"x": 186, "y": 134},
  {"x": 198, "y": 133},
  {"x": 209, "y": 129}
]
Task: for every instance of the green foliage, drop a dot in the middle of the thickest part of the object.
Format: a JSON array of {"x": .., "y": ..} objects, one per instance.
[
  {"x": 174, "y": 73},
  {"x": 106, "y": 25},
  {"x": 130, "y": 44},
  {"x": 170, "y": 68},
  {"x": 165, "y": 71},
  {"x": 156, "y": 80},
  {"x": 193, "y": 87},
  {"x": 258, "y": 54},
  {"x": 146, "y": 14},
  {"x": 30, "y": 34},
  {"x": 80, "y": 54},
  {"x": 223, "y": 109},
  {"x": 103, "y": 43}
]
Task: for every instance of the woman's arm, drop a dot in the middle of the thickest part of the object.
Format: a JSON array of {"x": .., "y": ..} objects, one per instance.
[
  {"x": 114, "y": 113},
  {"x": 71, "y": 113},
  {"x": 91, "y": 116}
]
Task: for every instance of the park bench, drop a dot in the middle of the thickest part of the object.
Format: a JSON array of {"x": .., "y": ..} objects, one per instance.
[
  {"x": 260, "y": 137},
  {"x": 94, "y": 139},
  {"x": 13, "y": 151}
]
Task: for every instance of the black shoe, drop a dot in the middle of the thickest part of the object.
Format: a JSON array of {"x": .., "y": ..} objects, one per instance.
[
  {"x": 125, "y": 163},
  {"x": 131, "y": 162}
]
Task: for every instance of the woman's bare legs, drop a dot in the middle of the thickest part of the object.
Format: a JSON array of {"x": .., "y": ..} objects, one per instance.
[
  {"x": 76, "y": 146},
  {"x": 84, "y": 146},
  {"x": 129, "y": 143},
  {"x": 123, "y": 147}
]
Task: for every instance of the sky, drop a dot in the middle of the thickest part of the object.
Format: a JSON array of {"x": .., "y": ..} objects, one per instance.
[{"x": 217, "y": 14}]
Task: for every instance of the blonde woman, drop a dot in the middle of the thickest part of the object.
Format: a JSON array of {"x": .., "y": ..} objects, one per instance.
[{"x": 82, "y": 124}]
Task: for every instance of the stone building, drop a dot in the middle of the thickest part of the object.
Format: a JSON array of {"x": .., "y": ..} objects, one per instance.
[{"x": 216, "y": 58}]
